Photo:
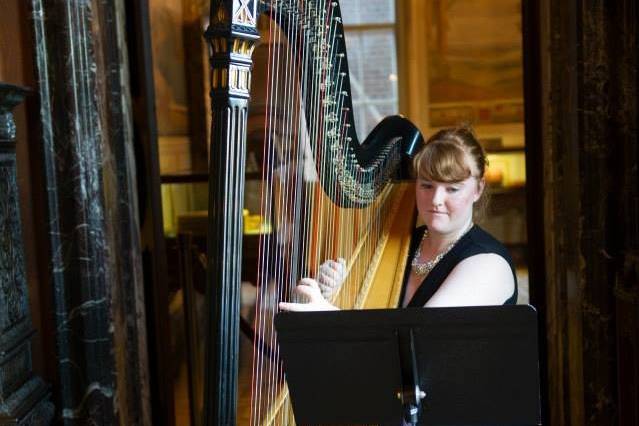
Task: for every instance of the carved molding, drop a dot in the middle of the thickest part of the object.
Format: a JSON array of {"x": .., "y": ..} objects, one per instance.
[
  {"x": 21, "y": 393},
  {"x": 7, "y": 126},
  {"x": 13, "y": 369},
  {"x": 10, "y": 97},
  {"x": 13, "y": 298}
]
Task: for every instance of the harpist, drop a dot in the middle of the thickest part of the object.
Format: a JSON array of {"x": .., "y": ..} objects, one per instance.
[{"x": 453, "y": 262}]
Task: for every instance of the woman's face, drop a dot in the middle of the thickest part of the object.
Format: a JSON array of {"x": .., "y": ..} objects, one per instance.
[{"x": 446, "y": 208}]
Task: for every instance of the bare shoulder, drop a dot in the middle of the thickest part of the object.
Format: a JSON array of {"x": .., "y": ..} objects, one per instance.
[
  {"x": 483, "y": 262},
  {"x": 482, "y": 279},
  {"x": 485, "y": 269}
]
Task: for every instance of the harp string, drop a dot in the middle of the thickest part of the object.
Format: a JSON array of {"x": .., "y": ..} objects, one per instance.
[
  {"x": 340, "y": 246},
  {"x": 259, "y": 358},
  {"x": 316, "y": 133},
  {"x": 290, "y": 180},
  {"x": 306, "y": 145},
  {"x": 306, "y": 227},
  {"x": 277, "y": 144},
  {"x": 335, "y": 249},
  {"x": 280, "y": 222},
  {"x": 327, "y": 48},
  {"x": 324, "y": 102}
]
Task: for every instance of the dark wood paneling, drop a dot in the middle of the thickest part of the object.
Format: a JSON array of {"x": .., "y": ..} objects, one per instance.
[
  {"x": 531, "y": 33},
  {"x": 622, "y": 18},
  {"x": 587, "y": 121}
]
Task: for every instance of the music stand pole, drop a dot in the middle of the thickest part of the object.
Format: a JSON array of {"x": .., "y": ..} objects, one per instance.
[{"x": 411, "y": 395}]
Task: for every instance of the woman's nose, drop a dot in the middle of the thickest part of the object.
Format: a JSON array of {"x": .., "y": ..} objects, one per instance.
[{"x": 438, "y": 196}]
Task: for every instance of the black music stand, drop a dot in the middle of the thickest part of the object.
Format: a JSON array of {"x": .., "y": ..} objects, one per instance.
[{"x": 435, "y": 366}]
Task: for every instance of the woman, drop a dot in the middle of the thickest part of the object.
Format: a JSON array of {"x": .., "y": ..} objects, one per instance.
[{"x": 453, "y": 262}]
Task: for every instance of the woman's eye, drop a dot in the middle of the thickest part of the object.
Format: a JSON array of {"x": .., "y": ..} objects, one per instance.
[
  {"x": 452, "y": 189},
  {"x": 426, "y": 185}
]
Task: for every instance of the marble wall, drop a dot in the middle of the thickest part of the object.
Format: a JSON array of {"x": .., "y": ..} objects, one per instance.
[{"x": 92, "y": 212}]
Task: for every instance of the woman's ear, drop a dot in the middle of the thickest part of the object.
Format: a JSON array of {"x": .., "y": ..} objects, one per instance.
[{"x": 481, "y": 184}]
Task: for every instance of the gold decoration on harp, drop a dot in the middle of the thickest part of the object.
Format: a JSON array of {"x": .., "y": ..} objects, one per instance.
[
  {"x": 242, "y": 13},
  {"x": 243, "y": 47},
  {"x": 239, "y": 78}
]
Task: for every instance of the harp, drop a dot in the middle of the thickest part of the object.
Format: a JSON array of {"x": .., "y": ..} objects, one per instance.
[{"x": 327, "y": 193}]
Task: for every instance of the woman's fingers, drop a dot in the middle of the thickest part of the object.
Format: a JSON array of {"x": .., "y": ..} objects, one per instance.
[
  {"x": 334, "y": 269},
  {"x": 308, "y": 287},
  {"x": 334, "y": 266},
  {"x": 298, "y": 307},
  {"x": 327, "y": 280},
  {"x": 330, "y": 277},
  {"x": 308, "y": 282},
  {"x": 307, "y": 291},
  {"x": 329, "y": 271},
  {"x": 315, "y": 300}
]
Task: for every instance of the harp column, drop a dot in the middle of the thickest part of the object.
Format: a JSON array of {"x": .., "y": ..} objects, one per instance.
[
  {"x": 232, "y": 35},
  {"x": 24, "y": 397}
]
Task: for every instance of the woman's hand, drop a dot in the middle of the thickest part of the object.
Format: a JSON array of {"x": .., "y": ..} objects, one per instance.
[
  {"x": 331, "y": 276},
  {"x": 308, "y": 287}
]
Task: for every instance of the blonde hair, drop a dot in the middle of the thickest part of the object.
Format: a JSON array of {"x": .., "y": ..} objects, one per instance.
[{"x": 452, "y": 155}]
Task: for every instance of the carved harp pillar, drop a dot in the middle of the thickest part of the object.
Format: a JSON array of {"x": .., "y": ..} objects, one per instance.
[
  {"x": 231, "y": 34},
  {"x": 24, "y": 398}
]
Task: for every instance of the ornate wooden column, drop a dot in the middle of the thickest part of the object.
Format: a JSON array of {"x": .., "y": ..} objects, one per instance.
[
  {"x": 24, "y": 398},
  {"x": 96, "y": 269},
  {"x": 232, "y": 34}
]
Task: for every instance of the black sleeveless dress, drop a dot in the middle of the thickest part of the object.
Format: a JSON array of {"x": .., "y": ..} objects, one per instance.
[{"x": 475, "y": 241}]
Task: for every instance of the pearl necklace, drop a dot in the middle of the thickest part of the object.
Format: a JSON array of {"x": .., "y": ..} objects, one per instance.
[{"x": 423, "y": 269}]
